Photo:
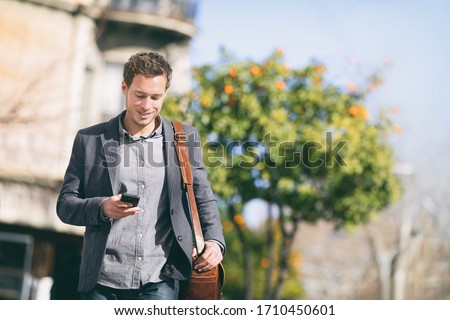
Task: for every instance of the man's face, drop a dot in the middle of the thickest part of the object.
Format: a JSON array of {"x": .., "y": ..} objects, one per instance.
[{"x": 144, "y": 99}]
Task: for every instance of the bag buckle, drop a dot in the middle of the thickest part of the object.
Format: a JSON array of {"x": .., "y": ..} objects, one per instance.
[{"x": 180, "y": 136}]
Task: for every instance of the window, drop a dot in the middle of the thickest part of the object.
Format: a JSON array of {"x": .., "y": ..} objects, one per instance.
[{"x": 16, "y": 253}]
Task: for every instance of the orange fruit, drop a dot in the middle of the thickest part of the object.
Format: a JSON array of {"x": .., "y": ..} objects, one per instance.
[{"x": 228, "y": 89}]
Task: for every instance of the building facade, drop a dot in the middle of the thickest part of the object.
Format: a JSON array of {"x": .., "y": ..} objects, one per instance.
[{"x": 61, "y": 69}]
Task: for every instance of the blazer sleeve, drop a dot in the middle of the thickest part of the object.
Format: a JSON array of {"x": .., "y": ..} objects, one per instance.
[
  {"x": 206, "y": 202},
  {"x": 71, "y": 207}
]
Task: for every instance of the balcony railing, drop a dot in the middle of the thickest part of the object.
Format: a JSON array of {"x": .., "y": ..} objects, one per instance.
[{"x": 184, "y": 10}]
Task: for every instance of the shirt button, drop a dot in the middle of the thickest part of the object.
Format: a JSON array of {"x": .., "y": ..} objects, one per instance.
[
  {"x": 180, "y": 238},
  {"x": 140, "y": 258},
  {"x": 140, "y": 235},
  {"x": 143, "y": 186}
]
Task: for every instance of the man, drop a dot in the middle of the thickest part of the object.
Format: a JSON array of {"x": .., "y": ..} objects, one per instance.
[{"x": 138, "y": 252}]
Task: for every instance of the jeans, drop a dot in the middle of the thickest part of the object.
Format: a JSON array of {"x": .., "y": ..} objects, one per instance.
[{"x": 165, "y": 290}]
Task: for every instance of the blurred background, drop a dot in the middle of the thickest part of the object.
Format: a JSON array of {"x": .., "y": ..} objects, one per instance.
[{"x": 281, "y": 65}]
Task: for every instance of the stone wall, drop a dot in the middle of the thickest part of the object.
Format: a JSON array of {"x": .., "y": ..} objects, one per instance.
[{"x": 44, "y": 54}]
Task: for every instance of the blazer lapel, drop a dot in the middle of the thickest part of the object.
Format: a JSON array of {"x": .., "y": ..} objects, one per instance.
[
  {"x": 170, "y": 157},
  {"x": 110, "y": 146}
]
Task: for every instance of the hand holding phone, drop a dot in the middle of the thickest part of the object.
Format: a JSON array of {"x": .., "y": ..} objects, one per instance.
[{"x": 130, "y": 198}]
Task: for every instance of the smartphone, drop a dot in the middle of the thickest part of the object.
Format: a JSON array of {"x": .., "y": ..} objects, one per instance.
[{"x": 130, "y": 198}]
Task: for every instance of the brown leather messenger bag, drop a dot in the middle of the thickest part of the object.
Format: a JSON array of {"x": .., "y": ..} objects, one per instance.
[{"x": 206, "y": 285}]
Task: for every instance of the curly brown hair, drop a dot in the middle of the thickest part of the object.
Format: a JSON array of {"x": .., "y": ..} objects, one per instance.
[{"x": 149, "y": 64}]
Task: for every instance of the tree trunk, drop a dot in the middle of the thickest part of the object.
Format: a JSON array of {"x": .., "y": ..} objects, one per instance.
[
  {"x": 383, "y": 259},
  {"x": 285, "y": 251},
  {"x": 270, "y": 253},
  {"x": 247, "y": 254}
]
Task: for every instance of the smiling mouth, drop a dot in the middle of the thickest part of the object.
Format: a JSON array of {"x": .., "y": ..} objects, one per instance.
[{"x": 145, "y": 114}]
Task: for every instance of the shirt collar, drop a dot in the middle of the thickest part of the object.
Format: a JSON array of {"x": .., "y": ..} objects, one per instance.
[{"x": 123, "y": 133}]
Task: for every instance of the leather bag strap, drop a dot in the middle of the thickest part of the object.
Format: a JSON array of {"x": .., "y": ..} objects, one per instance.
[{"x": 182, "y": 150}]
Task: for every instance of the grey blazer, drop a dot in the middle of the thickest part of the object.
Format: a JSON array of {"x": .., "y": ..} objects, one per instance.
[{"x": 92, "y": 176}]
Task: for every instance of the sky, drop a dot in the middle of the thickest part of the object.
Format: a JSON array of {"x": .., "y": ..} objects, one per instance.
[
  {"x": 408, "y": 41},
  {"x": 353, "y": 38}
]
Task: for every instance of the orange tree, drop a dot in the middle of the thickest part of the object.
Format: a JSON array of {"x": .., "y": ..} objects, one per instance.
[{"x": 291, "y": 138}]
